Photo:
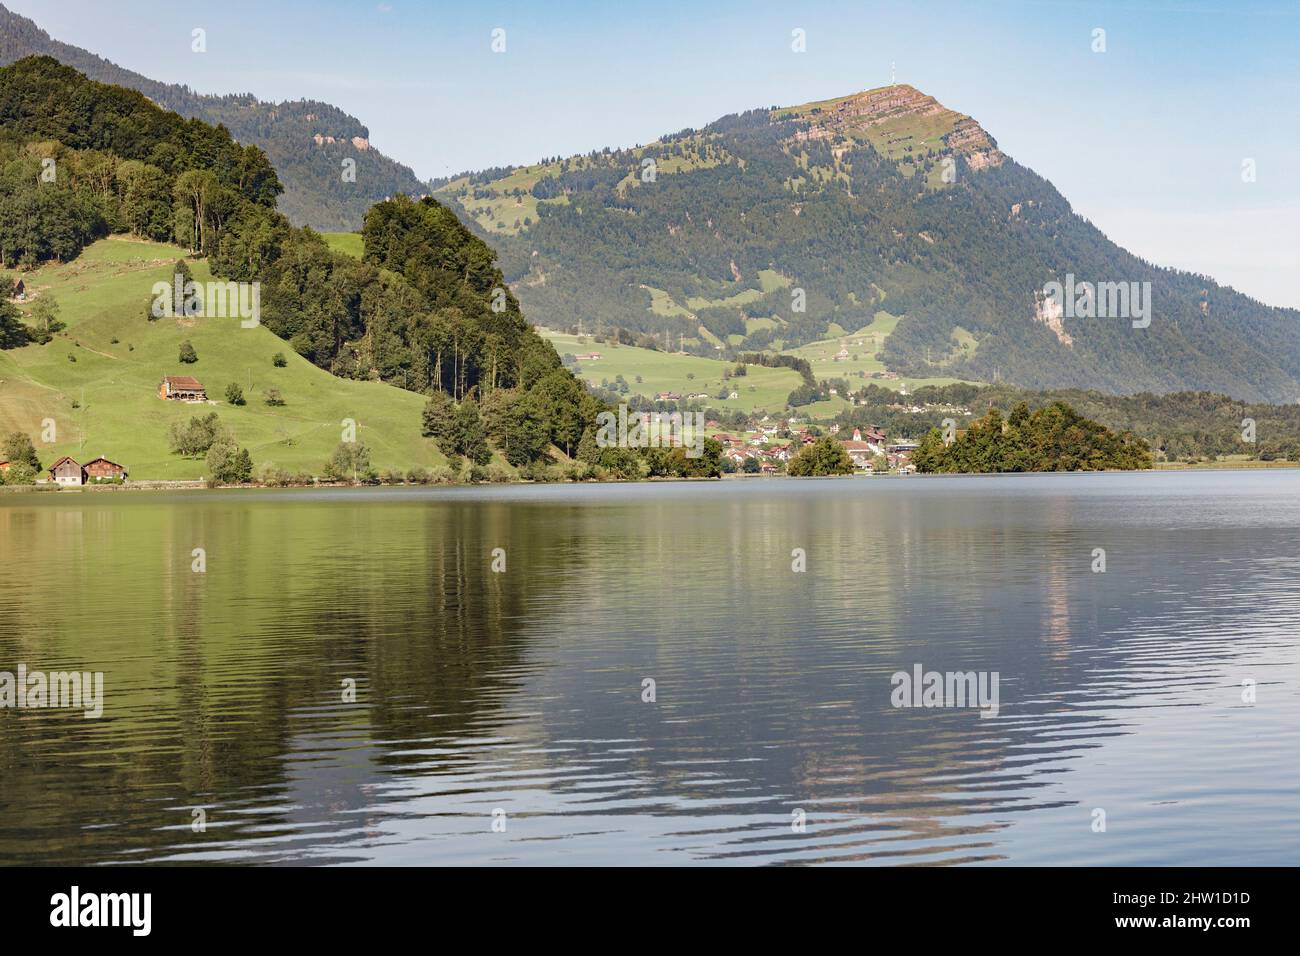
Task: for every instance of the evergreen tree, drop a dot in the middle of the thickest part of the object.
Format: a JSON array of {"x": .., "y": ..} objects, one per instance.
[
  {"x": 468, "y": 434},
  {"x": 438, "y": 420}
]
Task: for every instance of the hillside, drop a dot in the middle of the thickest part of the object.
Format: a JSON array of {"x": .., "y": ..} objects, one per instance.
[
  {"x": 315, "y": 193},
  {"x": 426, "y": 308},
  {"x": 106, "y": 402},
  {"x": 884, "y": 200}
]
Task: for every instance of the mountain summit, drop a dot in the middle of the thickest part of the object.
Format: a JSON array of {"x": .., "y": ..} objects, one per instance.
[{"x": 894, "y": 119}]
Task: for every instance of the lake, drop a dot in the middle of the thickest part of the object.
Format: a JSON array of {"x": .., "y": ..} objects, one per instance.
[{"x": 346, "y": 679}]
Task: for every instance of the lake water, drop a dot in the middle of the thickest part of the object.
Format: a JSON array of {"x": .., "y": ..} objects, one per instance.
[{"x": 522, "y": 691}]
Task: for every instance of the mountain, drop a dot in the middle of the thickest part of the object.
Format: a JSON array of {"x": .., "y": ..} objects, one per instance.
[
  {"x": 307, "y": 141},
  {"x": 782, "y": 226}
]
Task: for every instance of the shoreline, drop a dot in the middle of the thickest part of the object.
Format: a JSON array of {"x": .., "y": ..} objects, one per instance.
[{"x": 147, "y": 485}]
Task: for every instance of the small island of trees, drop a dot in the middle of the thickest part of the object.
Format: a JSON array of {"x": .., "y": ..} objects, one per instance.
[{"x": 1052, "y": 438}]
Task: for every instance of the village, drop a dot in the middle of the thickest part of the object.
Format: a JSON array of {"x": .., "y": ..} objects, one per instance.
[{"x": 765, "y": 449}]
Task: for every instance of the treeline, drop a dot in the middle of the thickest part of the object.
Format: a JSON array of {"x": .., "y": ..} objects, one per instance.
[
  {"x": 1180, "y": 426},
  {"x": 80, "y": 159},
  {"x": 769, "y": 360},
  {"x": 1053, "y": 438}
]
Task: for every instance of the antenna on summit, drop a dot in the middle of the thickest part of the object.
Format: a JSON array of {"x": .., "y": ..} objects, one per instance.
[{"x": 892, "y": 81}]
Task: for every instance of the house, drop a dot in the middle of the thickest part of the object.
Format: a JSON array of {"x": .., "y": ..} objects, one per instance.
[
  {"x": 588, "y": 357},
  {"x": 65, "y": 471},
  {"x": 19, "y": 290},
  {"x": 182, "y": 388},
  {"x": 667, "y": 397},
  {"x": 861, "y": 453},
  {"x": 4, "y": 467},
  {"x": 101, "y": 469}
]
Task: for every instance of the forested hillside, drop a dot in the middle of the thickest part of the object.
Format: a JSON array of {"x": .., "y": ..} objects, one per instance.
[
  {"x": 777, "y": 227},
  {"x": 315, "y": 191},
  {"x": 427, "y": 310}
]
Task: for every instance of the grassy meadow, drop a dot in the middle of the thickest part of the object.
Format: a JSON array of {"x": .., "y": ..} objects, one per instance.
[
  {"x": 759, "y": 389},
  {"x": 98, "y": 380}
]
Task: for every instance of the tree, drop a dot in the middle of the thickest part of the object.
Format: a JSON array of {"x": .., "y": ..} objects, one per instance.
[
  {"x": 19, "y": 474},
  {"x": 928, "y": 456},
  {"x": 588, "y": 450},
  {"x": 438, "y": 420},
  {"x": 187, "y": 353},
  {"x": 45, "y": 319},
  {"x": 195, "y": 193},
  {"x": 146, "y": 200},
  {"x": 278, "y": 360},
  {"x": 350, "y": 462},
  {"x": 825, "y": 456},
  {"x": 181, "y": 278},
  {"x": 273, "y": 397},
  {"x": 227, "y": 463},
  {"x": 18, "y": 448},
  {"x": 468, "y": 434},
  {"x": 195, "y": 437},
  {"x": 234, "y": 394},
  {"x": 13, "y": 333},
  {"x": 564, "y": 407}
]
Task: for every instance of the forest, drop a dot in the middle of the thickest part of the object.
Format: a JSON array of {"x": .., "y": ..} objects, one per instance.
[{"x": 315, "y": 191}]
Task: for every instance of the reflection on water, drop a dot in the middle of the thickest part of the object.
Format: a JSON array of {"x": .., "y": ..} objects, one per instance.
[{"x": 522, "y": 690}]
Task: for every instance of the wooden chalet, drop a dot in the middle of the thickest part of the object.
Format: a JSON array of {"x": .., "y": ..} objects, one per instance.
[
  {"x": 182, "y": 388},
  {"x": 101, "y": 469}
]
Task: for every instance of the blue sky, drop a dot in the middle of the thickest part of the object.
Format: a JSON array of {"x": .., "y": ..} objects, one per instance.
[{"x": 1146, "y": 139}]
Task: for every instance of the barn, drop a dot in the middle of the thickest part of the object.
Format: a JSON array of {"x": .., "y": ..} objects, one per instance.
[
  {"x": 65, "y": 471},
  {"x": 101, "y": 469}
]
